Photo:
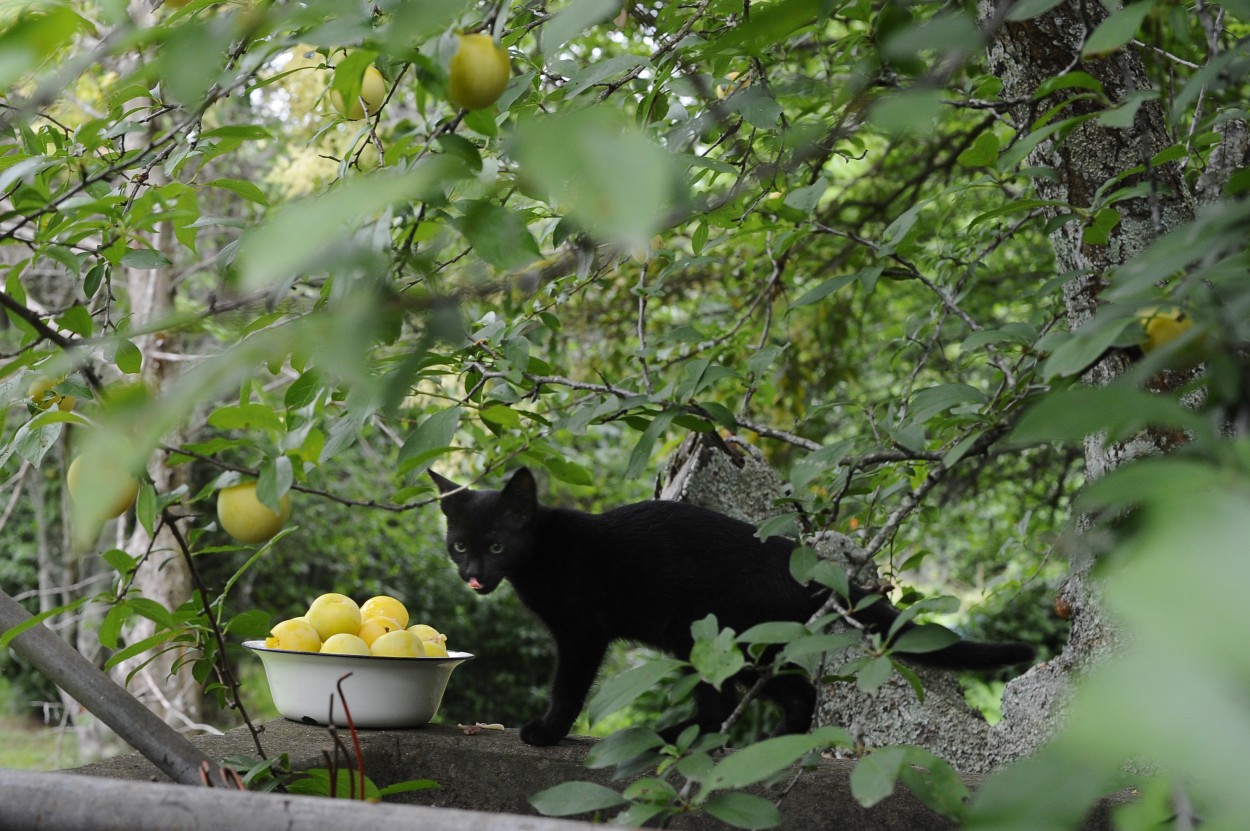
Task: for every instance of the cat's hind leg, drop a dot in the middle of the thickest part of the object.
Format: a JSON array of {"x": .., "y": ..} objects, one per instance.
[
  {"x": 712, "y": 707},
  {"x": 796, "y": 696}
]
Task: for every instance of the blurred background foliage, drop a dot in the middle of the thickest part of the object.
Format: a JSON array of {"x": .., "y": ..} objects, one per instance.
[{"x": 810, "y": 224}]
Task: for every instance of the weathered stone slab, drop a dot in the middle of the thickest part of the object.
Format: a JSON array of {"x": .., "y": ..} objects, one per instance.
[{"x": 495, "y": 772}]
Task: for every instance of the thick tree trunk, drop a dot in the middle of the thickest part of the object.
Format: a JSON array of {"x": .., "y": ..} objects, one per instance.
[{"x": 1023, "y": 55}]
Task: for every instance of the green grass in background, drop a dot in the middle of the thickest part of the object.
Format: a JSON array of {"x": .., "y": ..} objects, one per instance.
[{"x": 29, "y": 745}]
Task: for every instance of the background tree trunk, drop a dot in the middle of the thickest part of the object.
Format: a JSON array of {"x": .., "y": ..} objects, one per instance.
[{"x": 165, "y": 684}]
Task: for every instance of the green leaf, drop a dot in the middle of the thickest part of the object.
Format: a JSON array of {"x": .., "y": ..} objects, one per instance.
[
  {"x": 600, "y": 71},
  {"x": 111, "y": 627},
  {"x": 575, "y": 18},
  {"x": 622, "y": 746},
  {"x": 717, "y": 659},
  {"x": 33, "y": 35},
  {"x": 570, "y": 798},
  {"x": 826, "y": 288},
  {"x": 254, "y": 623},
  {"x": 924, "y": 638},
  {"x": 771, "y": 24},
  {"x": 608, "y": 177},
  {"x": 1123, "y": 116},
  {"x": 1080, "y": 349},
  {"x": 139, "y": 647},
  {"x": 251, "y": 416},
  {"x": 874, "y": 776},
  {"x": 567, "y": 471},
  {"x": 276, "y": 478},
  {"x": 7, "y": 636},
  {"x": 119, "y": 560},
  {"x": 982, "y": 153},
  {"x": 743, "y": 810},
  {"x": 144, "y": 259},
  {"x": 316, "y": 782},
  {"x": 461, "y": 148},
  {"x": 433, "y": 434},
  {"x": 499, "y": 236},
  {"x": 640, "y": 457},
  {"x": 407, "y": 786},
  {"x": 1118, "y": 412},
  {"x": 779, "y": 631},
  {"x": 305, "y": 390},
  {"x": 1026, "y": 9},
  {"x": 873, "y": 674},
  {"x": 907, "y": 113},
  {"x": 314, "y": 234},
  {"x": 1118, "y": 29},
  {"x": 247, "y": 190},
  {"x": 77, "y": 320},
  {"x": 128, "y": 357},
  {"x": 1069, "y": 80},
  {"x": 192, "y": 58},
  {"x": 930, "y": 401},
  {"x": 1099, "y": 231},
  {"x": 95, "y": 277},
  {"x": 146, "y": 508},
  {"x": 620, "y": 690},
  {"x": 761, "y": 760}
]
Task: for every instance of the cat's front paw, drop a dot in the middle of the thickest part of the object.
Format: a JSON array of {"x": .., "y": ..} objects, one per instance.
[{"x": 538, "y": 732}]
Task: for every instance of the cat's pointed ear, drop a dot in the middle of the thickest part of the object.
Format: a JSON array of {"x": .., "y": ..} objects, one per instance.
[
  {"x": 445, "y": 487},
  {"x": 520, "y": 495},
  {"x": 444, "y": 484}
]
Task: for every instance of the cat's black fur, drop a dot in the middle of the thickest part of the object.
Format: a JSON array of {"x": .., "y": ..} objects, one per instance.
[{"x": 645, "y": 573}]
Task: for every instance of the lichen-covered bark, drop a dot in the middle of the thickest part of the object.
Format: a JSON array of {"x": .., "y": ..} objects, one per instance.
[
  {"x": 1024, "y": 55},
  {"x": 733, "y": 478}
]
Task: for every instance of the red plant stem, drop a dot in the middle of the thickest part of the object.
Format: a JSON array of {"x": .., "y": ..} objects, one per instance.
[{"x": 351, "y": 726}]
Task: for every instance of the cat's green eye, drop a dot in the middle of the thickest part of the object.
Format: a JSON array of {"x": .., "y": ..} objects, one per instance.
[
  {"x": 496, "y": 548},
  {"x": 458, "y": 547}
]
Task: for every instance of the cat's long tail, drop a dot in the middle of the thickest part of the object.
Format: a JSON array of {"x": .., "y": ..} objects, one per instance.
[{"x": 880, "y": 616}]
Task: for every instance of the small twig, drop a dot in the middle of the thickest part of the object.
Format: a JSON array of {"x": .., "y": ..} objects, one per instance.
[{"x": 221, "y": 665}]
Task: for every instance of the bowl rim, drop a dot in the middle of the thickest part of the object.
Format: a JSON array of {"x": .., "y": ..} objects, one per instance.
[{"x": 259, "y": 646}]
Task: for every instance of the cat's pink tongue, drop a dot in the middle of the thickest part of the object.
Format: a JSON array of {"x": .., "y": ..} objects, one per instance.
[{"x": 473, "y": 584}]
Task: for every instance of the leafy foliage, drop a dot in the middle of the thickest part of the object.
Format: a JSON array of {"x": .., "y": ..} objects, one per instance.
[{"x": 812, "y": 224}]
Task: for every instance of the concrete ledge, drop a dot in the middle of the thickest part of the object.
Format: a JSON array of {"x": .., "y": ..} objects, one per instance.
[{"x": 495, "y": 772}]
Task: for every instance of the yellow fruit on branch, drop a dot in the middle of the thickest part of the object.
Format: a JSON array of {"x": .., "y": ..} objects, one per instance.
[
  {"x": 372, "y": 95},
  {"x": 97, "y": 485},
  {"x": 41, "y": 393},
  {"x": 332, "y": 614},
  {"x": 479, "y": 72},
  {"x": 1162, "y": 325},
  {"x": 246, "y": 518}
]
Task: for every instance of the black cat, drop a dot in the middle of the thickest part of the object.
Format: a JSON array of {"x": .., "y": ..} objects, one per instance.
[{"x": 645, "y": 573}]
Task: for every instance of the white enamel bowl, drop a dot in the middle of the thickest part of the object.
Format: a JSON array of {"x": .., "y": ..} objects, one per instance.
[{"x": 380, "y": 692}]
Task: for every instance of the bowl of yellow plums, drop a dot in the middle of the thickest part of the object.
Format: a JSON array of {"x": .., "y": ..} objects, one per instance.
[{"x": 362, "y": 664}]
